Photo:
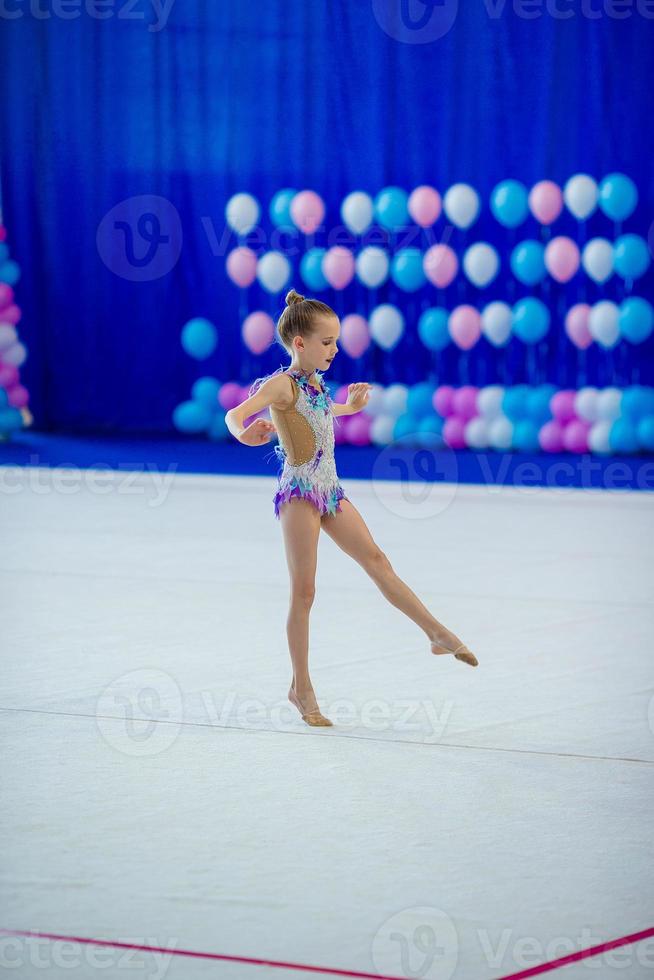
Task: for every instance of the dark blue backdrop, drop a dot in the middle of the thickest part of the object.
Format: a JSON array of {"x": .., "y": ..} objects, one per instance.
[{"x": 233, "y": 96}]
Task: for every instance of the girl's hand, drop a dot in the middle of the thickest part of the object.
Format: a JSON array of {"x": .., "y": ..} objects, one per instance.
[
  {"x": 357, "y": 395},
  {"x": 257, "y": 433}
]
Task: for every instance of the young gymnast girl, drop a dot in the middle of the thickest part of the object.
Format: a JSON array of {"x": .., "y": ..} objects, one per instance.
[{"x": 309, "y": 496}]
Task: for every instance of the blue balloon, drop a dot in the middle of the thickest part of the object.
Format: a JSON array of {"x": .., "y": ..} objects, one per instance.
[
  {"x": 218, "y": 427},
  {"x": 630, "y": 256},
  {"x": 280, "y": 209},
  {"x": 528, "y": 262},
  {"x": 645, "y": 433},
  {"x": 623, "y": 437},
  {"x": 10, "y": 272},
  {"x": 525, "y": 436},
  {"x": 199, "y": 338},
  {"x": 311, "y": 268},
  {"x": 10, "y": 420},
  {"x": 420, "y": 399},
  {"x": 4, "y": 253},
  {"x": 637, "y": 402},
  {"x": 618, "y": 196},
  {"x": 205, "y": 391},
  {"x": 191, "y": 417},
  {"x": 430, "y": 432},
  {"x": 407, "y": 271},
  {"x": 391, "y": 208},
  {"x": 510, "y": 203},
  {"x": 4, "y": 398},
  {"x": 515, "y": 404},
  {"x": 405, "y": 429},
  {"x": 432, "y": 328},
  {"x": 538, "y": 403},
  {"x": 531, "y": 319},
  {"x": 636, "y": 319}
]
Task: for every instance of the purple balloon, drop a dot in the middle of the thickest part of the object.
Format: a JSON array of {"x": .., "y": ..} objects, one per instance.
[
  {"x": 550, "y": 437},
  {"x": 442, "y": 400},
  {"x": 357, "y": 429},
  {"x": 464, "y": 402},
  {"x": 454, "y": 433},
  {"x": 562, "y": 405},
  {"x": 575, "y": 436},
  {"x": 230, "y": 395}
]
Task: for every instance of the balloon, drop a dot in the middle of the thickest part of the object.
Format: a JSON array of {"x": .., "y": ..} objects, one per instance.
[
  {"x": 357, "y": 431},
  {"x": 15, "y": 355},
  {"x": 464, "y": 402},
  {"x": 609, "y": 404},
  {"x": 11, "y": 314},
  {"x": 525, "y": 436},
  {"x": 489, "y": 401},
  {"x": 432, "y": 329},
  {"x": 637, "y": 402},
  {"x": 645, "y": 433},
  {"x": 4, "y": 253},
  {"x": 454, "y": 433},
  {"x": 580, "y": 195},
  {"x": 630, "y": 256},
  {"x": 230, "y": 395},
  {"x": 636, "y": 319},
  {"x": 424, "y": 206},
  {"x": 8, "y": 336},
  {"x": 618, "y": 196},
  {"x": 597, "y": 259},
  {"x": 355, "y": 335},
  {"x": 575, "y": 436},
  {"x": 199, "y": 338},
  {"x": 375, "y": 404},
  {"x": 381, "y": 430},
  {"x": 528, "y": 262},
  {"x": 391, "y": 208},
  {"x": 191, "y": 417},
  {"x": 18, "y": 396},
  {"x": 562, "y": 405},
  {"x": 6, "y": 295},
  {"x": 475, "y": 433},
  {"x": 562, "y": 258},
  {"x": 550, "y": 437},
  {"x": 496, "y": 320},
  {"x": 515, "y": 403},
  {"x": 242, "y": 213},
  {"x": 242, "y": 266},
  {"x": 464, "y": 325},
  {"x": 419, "y": 399},
  {"x": 509, "y": 203},
  {"x": 395, "y": 399},
  {"x": 311, "y": 269},
  {"x": 10, "y": 420},
  {"x": 545, "y": 201},
  {"x": 598, "y": 437},
  {"x": 205, "y": 390},
  {"x": 538, "y": 403},
  {"x": 273, "y": 271},
  {"x": 430, "y": 432},
  {"x": 386, "y": 325},
  {"x": 338, "y": 266},
  {"x": 461, "y": 205},
  {"x": 307, "y": 211},
  {"x": 218, "y": 427},
  {"x": 280, "y": 209},
  {"x": 10, "y": 272},
  {"x": 405, "y": 430},
  {"x": 406, "y": 269},
  {"x": 481, "y": 264},
  {"x": 357, "y": 212},
  {"x": 372, "y": 265},
  {"x": 440, "y": 265},
  {"x": 531, "y": 320},
  {"x": 500, "y": 433},
  {"x": 9, "y": 375},
  {"x": 442, "y": 400},
  {"x": 623, "y": 437},
  {"x": 585, "y": 404},
  {"x": 258, "y": 332},
  {"x": 603, "y": 323},
  {"x": 576, "y": 325}
]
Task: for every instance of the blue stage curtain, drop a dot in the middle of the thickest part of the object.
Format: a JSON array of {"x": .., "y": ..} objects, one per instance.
[{"x": 230, "y": 96}]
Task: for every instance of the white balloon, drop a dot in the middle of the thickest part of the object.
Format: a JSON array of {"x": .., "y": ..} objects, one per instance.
[
  {"x": 273, "y": 271},
  {"x": 496, "y": 320},
  {"x": 386, "y": 325},
  {"x": 489, "y": 401},
  {"x": 609, "y": 404},
  {"x": 461, "y": 205},
  {"x": 481, "y": 264},
  {"x": 375, "y": 403},
  {"x": 357, "y": 212},
  {"x": 15, "y": 355},
  {"x": 597, "y": 259},
  {"x": 598, "y": 437},
  {"x": 500, "y": 433},
  {"x": 381, "y": 430},
  {"x": 395, "y": 400},
  {"x": 242, "y": 213},
  {"x": 475, "y": 433},
  {"x": 586, "y": 404},
  {"x": 580, "y": 195},
  {"x": 604, "y": 323},
  {"x": 8, "y": 335},
  {"x": 372, "y": 265}
]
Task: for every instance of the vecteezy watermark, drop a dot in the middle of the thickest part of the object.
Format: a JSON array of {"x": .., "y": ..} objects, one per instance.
[
  {"x": 140, "y": 713},
  {"x": 427, "y": 479},
  {"x": 19, "y": 953},
  {"x": 97, "y": 479},
  {"x": 506, "y": 951},
  {"x": 415, "y": 21},
  {"x": 417, "y": 942},
  {"x": 155, "y": 12},
  {"x": 140, "y": 238}
]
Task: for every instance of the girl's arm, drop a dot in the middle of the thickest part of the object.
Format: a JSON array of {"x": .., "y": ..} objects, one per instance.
[
  {"x": 357, "y": 398},
  {"x": 274, "y": 390}
]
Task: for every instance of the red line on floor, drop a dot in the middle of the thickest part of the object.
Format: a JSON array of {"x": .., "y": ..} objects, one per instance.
[{"x": 531, "y": 971}]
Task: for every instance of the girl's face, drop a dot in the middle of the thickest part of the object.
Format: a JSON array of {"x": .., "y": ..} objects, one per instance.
[{"x": 320, "y": 348}]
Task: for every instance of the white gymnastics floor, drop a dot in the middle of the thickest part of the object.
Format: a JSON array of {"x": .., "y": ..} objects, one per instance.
[{"x": 457, "y": 822}]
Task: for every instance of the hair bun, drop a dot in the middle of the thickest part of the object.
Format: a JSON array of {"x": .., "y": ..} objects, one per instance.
[{"x": 293, "y": 297}]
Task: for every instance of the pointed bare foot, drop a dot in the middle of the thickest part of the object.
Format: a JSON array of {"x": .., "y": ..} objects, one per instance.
[
  {"x": 451, "y": 644},
  {"x": 308, "y": 708}
]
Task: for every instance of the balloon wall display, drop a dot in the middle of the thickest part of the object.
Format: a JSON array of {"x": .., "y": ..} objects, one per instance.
[{"x": 14, "y": 396}]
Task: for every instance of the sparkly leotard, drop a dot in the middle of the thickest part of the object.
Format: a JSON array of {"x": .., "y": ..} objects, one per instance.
[{"x": 306, "y": 446}]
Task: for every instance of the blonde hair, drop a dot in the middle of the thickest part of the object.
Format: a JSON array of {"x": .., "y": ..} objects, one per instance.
[{"x": 298, "y": 317}]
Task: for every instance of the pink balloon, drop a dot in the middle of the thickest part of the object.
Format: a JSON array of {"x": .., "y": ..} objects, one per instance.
[
  {"x": 258, "y": 331},
  {"x": 576, "y": 325},
  {"x": 357, "y": 429},
  {"x": 341, "y": 394},
  {"x": 424, "y": 205},
  {"x": 307, "y": 211},
  {"x": 6, "y": 295},
  {"x": 230, "y": 395},
  {"x": 242, "y": 266},
  {"x": 464, "y": 402},
  {"x": 561, "y": 258},
  {"x": 355, "y": 335},
  {"x": 18, "y": 396},
  {"x": 338, "y": 266},
  {"x": 9, "y": 375},
  {"x": 550, "y": 437},
  {"x": 440, "y": 265},
  {"x": 454, "y": 433},
  {"x": 442, "y": 400},
  {"x": 464, "y": 326},
  {"x": 562, "y": 405},
  {"x": 546, "y": 201},
  {"x": 11, "y": 314},
  {"x": 3, "y": 233},
  {"x": 575, "y": 436}
]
